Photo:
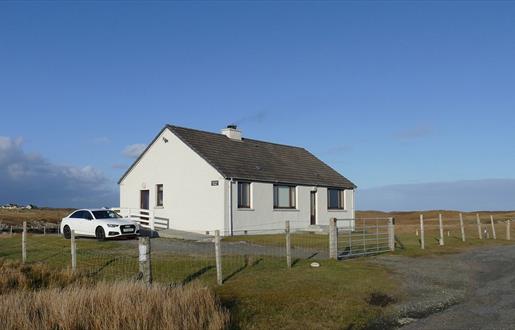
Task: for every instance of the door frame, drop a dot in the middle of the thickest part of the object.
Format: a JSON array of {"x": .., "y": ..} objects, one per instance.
[{"x": 313, "y": 208}]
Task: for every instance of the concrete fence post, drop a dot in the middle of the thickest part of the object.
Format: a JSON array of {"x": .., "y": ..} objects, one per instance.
[
  {"x": 333, "y": 239},
  {"x": 391, "y": 234},
  {"x": 73, "y": 248},
  {"x": 422, "y": 242},
  {"x": 59, "y": 228},
  {"x": 218, "y": 258},
  {"x": 494, "y": 235},
  {"x": 288, "y": 244},
  {"x": 11, "y": 233},
  {"x": 24, "y": 243},
  {"x": 145, "y": 262},
  {"x": 462, "y": 228},
  {"x": 44, "y": 230},
  {"x": 440, "y": 224},
  {"x": 478, "y": 220},
  {"x": 508, "y": 230}
]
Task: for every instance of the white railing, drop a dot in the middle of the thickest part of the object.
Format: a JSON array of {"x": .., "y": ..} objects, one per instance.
[{"x": 146, "y": 218}]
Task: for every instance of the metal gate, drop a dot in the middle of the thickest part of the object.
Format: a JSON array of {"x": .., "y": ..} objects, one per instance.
[{"x": 363, "y": 236}]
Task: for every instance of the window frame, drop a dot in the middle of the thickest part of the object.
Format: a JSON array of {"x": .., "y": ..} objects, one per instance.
[
  {"x": 162, "y": 195},
  {"x": 341, "y": 199},
  {"x": 249, "y": 194},
  {"x": 292, "y": 196}
]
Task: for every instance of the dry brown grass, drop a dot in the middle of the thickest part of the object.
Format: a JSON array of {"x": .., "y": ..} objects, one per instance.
[
  {"x": 14, "y": 277},
  {"x": 17, "y": 216},
  {"x": 34, "y": 297}
]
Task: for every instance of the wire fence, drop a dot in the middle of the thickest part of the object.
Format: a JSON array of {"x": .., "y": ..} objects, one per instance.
[{"x": 222, "y": 257}]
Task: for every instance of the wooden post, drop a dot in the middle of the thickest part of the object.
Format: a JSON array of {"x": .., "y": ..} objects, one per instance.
[
  {"x": 462, "y": 228},
  {"x": 11, "y": 231},
  {"x": 422, "y": 242},
  {"x": 44, "y": 230},
  {"x": 288, "y": 244},
  {"x": 73, "y": 251},
  {"x": 493, "y": 227},
  {"x": 218, "y": 257},
  {"x": 145, "y": 266},
  {"x": 391, "y": 234},
  {"x": 24, "y": 243},
  {"x": 440, "y": 223},
  {"x": 59, "y": 228},
  {"x": 508, "y": 230},
  {"x": 478, "y": 220},
  {"x": 333, "y": 239}
]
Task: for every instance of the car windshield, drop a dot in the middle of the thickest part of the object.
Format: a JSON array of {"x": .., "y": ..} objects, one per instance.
[{"x": 106, "y": 214}]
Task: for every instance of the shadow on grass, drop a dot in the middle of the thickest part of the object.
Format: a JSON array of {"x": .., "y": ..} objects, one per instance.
[
  {"x": 248, "y": 262},
  {"x": 196, "y": 274}
]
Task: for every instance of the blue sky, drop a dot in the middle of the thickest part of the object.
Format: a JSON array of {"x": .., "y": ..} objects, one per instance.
[{"x": 388, "y": 93}]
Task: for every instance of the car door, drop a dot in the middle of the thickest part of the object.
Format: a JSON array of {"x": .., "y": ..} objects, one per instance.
[{"x": 87, "y": 227}]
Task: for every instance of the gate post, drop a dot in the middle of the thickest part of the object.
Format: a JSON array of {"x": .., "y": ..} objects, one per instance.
[
  {"x": 391, "y": 234},
  {"x": 333, "y": 239},
  {"x": 218, "y": 258}
]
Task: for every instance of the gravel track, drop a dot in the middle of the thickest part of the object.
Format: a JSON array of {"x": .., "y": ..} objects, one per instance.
[{"x": 470, "y": 290}]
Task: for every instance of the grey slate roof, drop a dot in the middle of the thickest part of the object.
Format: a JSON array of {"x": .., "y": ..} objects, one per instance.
[{"x": 259, "y": 161}]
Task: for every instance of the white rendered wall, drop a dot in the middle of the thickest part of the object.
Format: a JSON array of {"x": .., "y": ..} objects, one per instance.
[
  {"x": 190, "y": 202},
  {"x": 262, "y": 215}
]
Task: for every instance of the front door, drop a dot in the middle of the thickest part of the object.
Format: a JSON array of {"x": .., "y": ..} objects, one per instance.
[
  {"x": 144, "y": 199},
  {"x": 313, "y": 208}
]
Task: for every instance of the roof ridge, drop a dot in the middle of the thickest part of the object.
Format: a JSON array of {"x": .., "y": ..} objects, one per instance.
[{"x": 243, "y": 138}]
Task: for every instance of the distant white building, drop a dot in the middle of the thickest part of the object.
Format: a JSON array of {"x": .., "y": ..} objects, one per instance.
[{"x": 202, "y": 181}]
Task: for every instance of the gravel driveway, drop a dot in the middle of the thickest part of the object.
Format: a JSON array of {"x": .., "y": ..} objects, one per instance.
[{"x": 470, "y": 290}]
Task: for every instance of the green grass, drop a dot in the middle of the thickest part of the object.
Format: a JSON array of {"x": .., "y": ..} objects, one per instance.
[{"x": 259, "y": 291}]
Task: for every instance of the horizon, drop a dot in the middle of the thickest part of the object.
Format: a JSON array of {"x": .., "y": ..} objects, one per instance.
[{"x": 417, "y": 114}]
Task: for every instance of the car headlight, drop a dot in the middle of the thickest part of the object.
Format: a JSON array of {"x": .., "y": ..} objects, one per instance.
[{"x": 111, "y": 225}]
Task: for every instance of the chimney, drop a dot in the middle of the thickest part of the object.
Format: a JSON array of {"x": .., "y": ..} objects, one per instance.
[{"x": 232, "y": 132}]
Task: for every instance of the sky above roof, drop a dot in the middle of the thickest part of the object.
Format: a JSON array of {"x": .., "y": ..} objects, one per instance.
[{"x": 387, "y": 93}]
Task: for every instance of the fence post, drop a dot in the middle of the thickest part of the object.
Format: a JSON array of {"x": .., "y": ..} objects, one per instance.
[
  {"x": 59, "y": 228},
  {"x": 440, "y": 223},
  {"x": 422, "y": 242},
  {"x": 145, "y": 267},
  {"x": 508, "y": 230},
  {"x": 73, "y": 251},
  {"x": 11, "y": 231},
  {"x": 494, "y": 235},
  {"x": 218, "y": 257},
  {"x": 391, "y": 234},
  {"x": 480, "y": 234},
  {"x": 24, "y": 243},
  {"x": 288, "y": 244},
  {"x": 462, "y": 228},
  {"x": 44, "y": 230},
  {"x": 333, "y": 239},
  {"x": 151, "y": 219}
]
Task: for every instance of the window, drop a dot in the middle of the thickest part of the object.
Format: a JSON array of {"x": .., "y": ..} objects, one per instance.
[
  {"x": 76, "y": 215},
  {"x": 335, "y": 199},
  {"x": 284, "y": 197},
  {"x": 244, "y": 195},
  {"x": 106, "y": 214},
  {"x": 159, "y": 195}
]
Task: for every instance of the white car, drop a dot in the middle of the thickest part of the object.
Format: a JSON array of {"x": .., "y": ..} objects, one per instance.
[{"x": 99, "y": 223}]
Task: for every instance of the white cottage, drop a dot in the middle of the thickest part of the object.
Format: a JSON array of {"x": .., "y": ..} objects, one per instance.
[{"x": 201, "y": 181}]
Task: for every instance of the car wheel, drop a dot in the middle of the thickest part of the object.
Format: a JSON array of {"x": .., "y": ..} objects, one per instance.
[
  {"x": 100, "y": 234},
  {"x": 67, "y": 232}
]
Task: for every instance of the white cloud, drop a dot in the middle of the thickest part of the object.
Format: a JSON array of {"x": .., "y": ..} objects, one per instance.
[
  {"x": 30, "y": 178},
  {"x": 133, "y": 150}
]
